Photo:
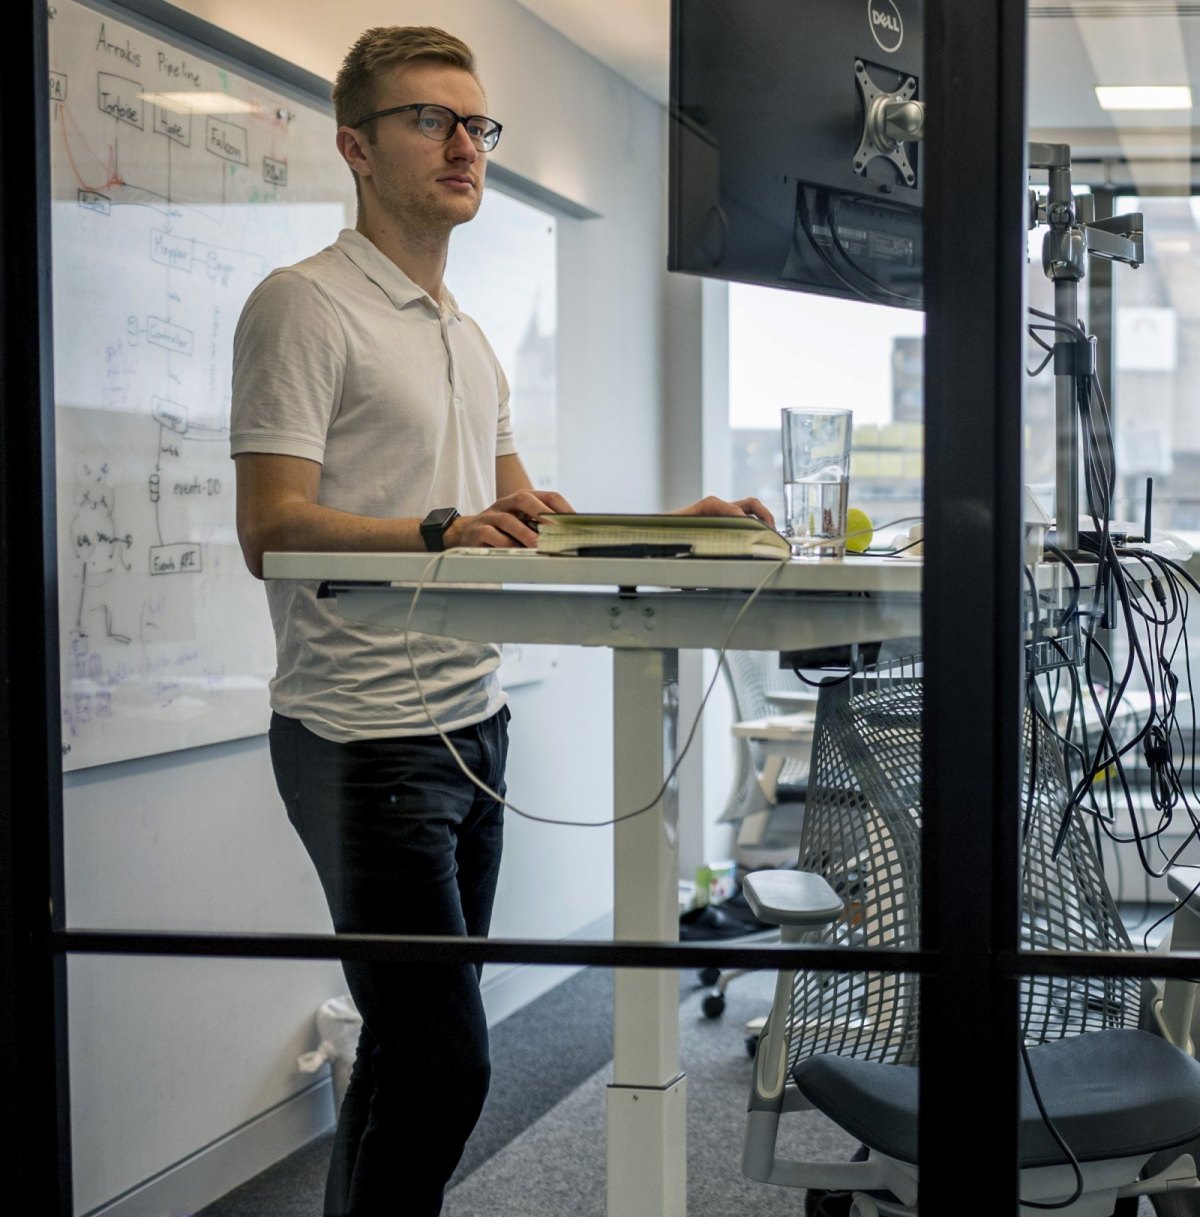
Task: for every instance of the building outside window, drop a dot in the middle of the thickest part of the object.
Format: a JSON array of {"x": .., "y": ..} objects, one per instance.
[{"x": 796, "y": 349}]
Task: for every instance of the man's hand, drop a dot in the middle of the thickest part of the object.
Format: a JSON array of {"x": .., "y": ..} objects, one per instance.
[
  {"x": 713, "y": 506},
  {"x": 509, "y": 523}
]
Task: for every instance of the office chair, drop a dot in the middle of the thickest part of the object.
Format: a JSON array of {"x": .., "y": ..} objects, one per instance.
[
  {"x": 1127, "y": 1102},
  {"x": 769, "y": 787},
  {"x": 860, "y": 847}
]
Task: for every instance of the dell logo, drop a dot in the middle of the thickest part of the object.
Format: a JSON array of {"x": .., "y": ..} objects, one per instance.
[{"x": 887, "y": 26}]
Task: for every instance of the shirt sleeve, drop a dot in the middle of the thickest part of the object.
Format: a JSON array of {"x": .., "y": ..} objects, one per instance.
[
  {"x": 289, "y": 361},
  {"x": 506, "y": 443}
]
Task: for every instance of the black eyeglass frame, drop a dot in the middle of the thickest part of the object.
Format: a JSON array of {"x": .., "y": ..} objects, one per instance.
[{"x": 459, "y": 119}]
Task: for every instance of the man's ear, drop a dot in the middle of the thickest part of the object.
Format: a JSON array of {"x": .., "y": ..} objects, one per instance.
[{"x": 353, "y": 149}]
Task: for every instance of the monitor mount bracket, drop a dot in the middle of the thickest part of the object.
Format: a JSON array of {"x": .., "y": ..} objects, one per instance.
[
  {"x": 891, "y": 119},
  {"x": 1074, "y": 235}
]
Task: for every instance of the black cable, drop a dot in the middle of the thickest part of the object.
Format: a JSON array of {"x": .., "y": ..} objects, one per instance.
[
  {"x": 831, "y": 209},
  {"x": 857, "y": 288},
  {"x": 1073, "y": 571},
  {"x": 1053, "y": 1131},
  {"x": 1161, "y": 726},
  {"x": 817, "y": 247},
  {"x": 1154, "y": 627},
  {"x": 1031, "y": 372},
  {"x": 892, "y": 553},
  {"x": 1100, "y": 466}
]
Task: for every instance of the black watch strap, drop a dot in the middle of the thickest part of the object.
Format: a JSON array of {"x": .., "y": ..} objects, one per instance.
[{"x": 434, "y": 525}]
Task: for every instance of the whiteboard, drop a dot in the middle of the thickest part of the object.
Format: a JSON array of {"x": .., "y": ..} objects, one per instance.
[{"x": 178, "y": 183}]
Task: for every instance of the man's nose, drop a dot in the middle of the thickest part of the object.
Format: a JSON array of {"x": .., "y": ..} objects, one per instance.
[{"x": 460, "y": 145}]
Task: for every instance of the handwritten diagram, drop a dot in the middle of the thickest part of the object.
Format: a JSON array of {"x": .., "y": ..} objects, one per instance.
[{"x": 177, "y": 186}]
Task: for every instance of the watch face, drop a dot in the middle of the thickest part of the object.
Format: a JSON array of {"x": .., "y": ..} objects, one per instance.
[{"x": 434, "y": 525}]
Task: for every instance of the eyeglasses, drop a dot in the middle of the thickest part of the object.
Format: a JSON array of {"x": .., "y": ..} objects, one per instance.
[{"x": 440, "y": 123}]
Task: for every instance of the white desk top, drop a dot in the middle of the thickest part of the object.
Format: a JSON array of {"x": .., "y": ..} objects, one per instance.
[
  {"x": 501, "y": 566},
  {"x": 515, "y": 567}
]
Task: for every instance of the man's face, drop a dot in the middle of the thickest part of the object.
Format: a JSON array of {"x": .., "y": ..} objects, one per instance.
[{"x": 420, "y": 182}]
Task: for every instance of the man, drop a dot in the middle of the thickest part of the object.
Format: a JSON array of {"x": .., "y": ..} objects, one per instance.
[{"x": 369, "y": 413}]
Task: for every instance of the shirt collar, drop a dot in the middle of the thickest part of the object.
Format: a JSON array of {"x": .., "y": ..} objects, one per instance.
[{"x": 385, "y": 274}]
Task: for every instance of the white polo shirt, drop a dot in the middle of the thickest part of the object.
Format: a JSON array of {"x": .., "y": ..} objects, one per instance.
[{"x": 344, "y": 360}]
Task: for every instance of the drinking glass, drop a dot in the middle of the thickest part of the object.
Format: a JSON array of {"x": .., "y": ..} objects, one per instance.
[{"x": 816, "y": 479}]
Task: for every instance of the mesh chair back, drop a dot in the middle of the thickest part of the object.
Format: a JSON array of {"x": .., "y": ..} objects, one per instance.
[
  {"x": 1065, "y": 904},
  {"x": 747, "y": 683},
  {"x": 862, "y": 834}
]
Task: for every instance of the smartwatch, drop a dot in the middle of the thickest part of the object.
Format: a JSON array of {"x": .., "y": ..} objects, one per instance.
[{"x": 434, "y": 525}]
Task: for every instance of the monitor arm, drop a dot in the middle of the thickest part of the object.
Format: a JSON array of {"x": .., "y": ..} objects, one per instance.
[
  {"x": 1074, "y": 235},
  {"x": 891, "y": 118}
]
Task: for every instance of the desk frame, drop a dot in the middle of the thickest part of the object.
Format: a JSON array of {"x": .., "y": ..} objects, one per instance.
[{"x": 660, "y": 606}]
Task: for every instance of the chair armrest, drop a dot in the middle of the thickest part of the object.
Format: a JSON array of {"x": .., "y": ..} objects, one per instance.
[
  {"x": 1174, "y": 1008},
  {"x": 1184, "y": 884},
  {"x": 791, "y": 898}
]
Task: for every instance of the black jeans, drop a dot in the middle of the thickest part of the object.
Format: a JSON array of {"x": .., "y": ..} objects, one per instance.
[{"x": 403, "y": 844}]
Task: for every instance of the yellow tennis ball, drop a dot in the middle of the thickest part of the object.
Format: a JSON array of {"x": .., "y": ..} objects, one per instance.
[{"x": 859, "y": 530}]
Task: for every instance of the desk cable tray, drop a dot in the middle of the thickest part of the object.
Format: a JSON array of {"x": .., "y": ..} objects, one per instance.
[{"x": 862, "y": 832}]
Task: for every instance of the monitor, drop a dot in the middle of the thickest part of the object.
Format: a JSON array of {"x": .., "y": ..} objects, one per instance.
[{"x": 795, "y": 158}]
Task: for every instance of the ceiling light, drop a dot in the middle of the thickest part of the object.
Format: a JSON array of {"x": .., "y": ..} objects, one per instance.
[
  {"x": 1144, "y": 97},
  {"x": 200, "y": 103}
]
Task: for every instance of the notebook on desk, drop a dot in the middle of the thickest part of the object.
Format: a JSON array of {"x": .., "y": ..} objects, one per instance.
[{"x": 659, "y": 536}]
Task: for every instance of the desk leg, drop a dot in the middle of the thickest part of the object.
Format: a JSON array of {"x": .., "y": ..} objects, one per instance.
[{"x": 647, "y": 1101}]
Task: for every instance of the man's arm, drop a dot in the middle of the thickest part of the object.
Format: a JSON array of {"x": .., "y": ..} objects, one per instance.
[
  {"x": 511, "y": 476},
  {"x": 277, "y": 510}
]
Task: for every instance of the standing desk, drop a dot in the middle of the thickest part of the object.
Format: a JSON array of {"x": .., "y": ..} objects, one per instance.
[{"x": 645, "y": 610}]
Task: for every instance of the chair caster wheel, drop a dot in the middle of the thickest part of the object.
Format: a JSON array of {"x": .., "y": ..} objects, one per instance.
[
  {"x": 714, "y": 1005},
  {"x": 709, "y": 976}
]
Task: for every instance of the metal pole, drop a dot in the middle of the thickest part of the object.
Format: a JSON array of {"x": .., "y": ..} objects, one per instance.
[{"x": 1066, "y": 470}]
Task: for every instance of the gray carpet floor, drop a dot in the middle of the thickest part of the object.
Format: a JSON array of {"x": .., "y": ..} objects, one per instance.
[
  {"x": 539, "y": 1055},
  {"x": 557, "y": 1165},
  {"x": 539, "y": 1149}
]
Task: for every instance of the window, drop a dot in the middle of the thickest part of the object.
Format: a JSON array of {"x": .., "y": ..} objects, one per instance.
[
  {"x": 1156, "y": 365},
  {"x": 794, "y": 349}
]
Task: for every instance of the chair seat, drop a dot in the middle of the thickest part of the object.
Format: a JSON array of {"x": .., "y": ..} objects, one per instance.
[{"x": 1110, "y": 1094}]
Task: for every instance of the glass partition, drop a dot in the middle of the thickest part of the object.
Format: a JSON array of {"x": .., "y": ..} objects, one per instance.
[
  {"x": 1108, "y": 417},
  {"x": 1044, "y": 738}
]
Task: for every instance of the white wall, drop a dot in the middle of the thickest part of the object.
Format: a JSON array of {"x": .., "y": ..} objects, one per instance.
[{"x": 169, "y": 1058}]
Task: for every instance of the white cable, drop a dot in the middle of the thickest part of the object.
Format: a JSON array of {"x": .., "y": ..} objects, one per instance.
[{"x": 775, "y": 567}]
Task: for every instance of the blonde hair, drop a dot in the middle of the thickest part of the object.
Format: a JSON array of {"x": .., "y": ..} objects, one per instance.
[{"x": 382, "y": 48}]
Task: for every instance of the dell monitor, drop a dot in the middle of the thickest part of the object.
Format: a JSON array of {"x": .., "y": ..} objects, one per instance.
[{"x": 795, "y": 156}]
